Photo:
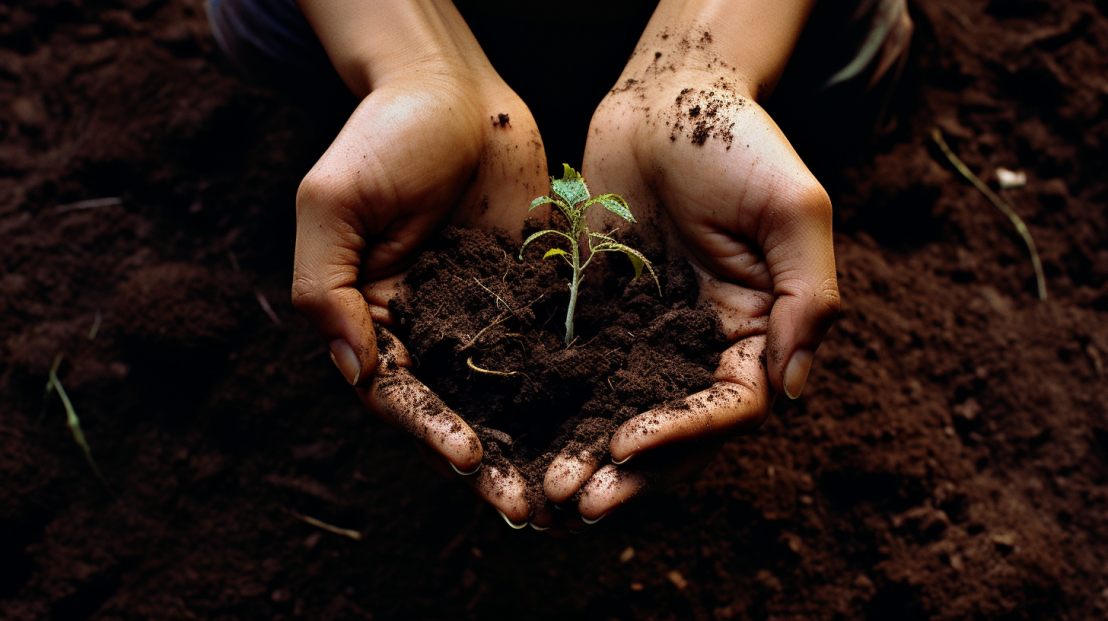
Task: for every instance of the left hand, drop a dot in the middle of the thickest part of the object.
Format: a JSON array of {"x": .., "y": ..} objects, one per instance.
[{"x": 717, "y": 181}]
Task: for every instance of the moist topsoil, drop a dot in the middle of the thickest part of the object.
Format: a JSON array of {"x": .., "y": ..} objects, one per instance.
[
  {"x": 948, "y": 459},
  {"x": 488, "y": 336}
]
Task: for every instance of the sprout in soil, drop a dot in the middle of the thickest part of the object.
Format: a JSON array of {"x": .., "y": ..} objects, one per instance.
[{"x": 572, "y": 196}]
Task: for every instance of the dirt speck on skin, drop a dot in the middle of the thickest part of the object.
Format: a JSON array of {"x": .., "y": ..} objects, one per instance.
[
  {"x": 701, "y": 115},
  {"x": 501, "y": 120}
]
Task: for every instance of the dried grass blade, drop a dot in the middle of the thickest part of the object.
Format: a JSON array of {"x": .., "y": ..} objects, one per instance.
[
  {"x": 307, "y": 519},
  {"x": 74, "y": 424},
  {"x": 1040, "y": 278}
]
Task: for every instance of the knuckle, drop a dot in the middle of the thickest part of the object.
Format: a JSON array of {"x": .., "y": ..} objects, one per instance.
[
  {"x": 829, "y": 302},
  {"x": 814, "y": 201},
  {"x": 312, "y": 189},
  {"x": 308, "y": 297}
]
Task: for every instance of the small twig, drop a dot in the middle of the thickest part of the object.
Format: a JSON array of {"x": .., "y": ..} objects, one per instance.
[
  {"x": 307, "y": 519},
  {"x": 469, "y": 362},
  {"x": 499, "y": 301},
  {"x": 96, "y": 321},
  {"x": 266, "y": 307},
  {"x": 473, "y": 341},
  {"x": 234, "y": 261},
  {"x": 586, "y": 343},
  {"x": 92, "y": 203},
  {"x": 1040, "y": 278},
  {"x": 75, "y": 423}
]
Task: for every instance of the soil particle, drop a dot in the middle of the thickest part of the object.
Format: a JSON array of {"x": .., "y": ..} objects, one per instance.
[{"x": 501, "y": 120}]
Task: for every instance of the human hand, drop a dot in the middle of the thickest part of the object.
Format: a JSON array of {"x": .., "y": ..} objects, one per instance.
[
  {"x": 717, "y": 182},
  {"x": 438, "y": 139}
]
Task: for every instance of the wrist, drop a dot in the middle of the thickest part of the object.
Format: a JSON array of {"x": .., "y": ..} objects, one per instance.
[
  {"x": 395, "y": 40},
  {"x": 747, "y": 42}
]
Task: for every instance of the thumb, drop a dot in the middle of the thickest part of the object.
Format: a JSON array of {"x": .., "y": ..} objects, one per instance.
[
  {"x": 329, "y": 246},
  {"x": 801, "y": 259}
]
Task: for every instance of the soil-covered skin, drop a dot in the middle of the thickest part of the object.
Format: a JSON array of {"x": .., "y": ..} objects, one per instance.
[
  {"x": 948, "y": 460},
  {"x": 488, "y": 332}
]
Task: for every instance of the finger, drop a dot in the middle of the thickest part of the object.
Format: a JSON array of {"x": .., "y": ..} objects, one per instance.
[
  {"x": 329, "y": 244},
  {"x": 503, "y": 487},
  {"x": 503, "y": 490},
  {"x": 404, "y": 402},
  {"x": 568, "y": 472},
  {"x": 801, "y": 259},
  {"x": 738, "y": 402},
  {"x": 606, "y": 490},
  {"x": 613, "y": 486},
  {"x": 379, "y": 293},
  {"x": 577, "y": 461}
]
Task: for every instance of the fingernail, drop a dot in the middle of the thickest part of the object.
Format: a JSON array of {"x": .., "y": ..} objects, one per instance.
[
  {"x": 797, "y": 373},
  {"x": 559, "y": 507},
  {"x": 511, "y": 523},
  {"x": 539, "y": 528},
  {"x": 591, "y": 522},
  {"x": 465, "y": 474},
  {"x": 342, "y": 354},
  {"x": 625, "y": 460}
]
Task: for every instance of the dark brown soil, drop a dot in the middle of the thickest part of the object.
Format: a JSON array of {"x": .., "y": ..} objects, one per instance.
[
  {"x": 488, "y": 332},
  {"x": 948, "y": 460}
]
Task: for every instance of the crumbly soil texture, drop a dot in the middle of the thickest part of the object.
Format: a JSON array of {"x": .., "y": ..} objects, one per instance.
[
  {"x": 488, "y": 336},
  {"x": 948, "y": 459}
]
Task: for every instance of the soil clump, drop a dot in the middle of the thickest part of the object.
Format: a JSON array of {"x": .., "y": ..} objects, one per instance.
[{"x": 487, "y": 331}]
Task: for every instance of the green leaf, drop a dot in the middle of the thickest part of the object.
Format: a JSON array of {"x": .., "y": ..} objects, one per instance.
[
  {"x": 554, "y": 251},
  {"x": 535, "y": 236},
  {"x": 542, "y": 200},
  {"x": 615, "y": 204},
  {"x": 570, "y": 187},
  {"x": 607, "y": 238},
  {"x": 639, "y": 261}
]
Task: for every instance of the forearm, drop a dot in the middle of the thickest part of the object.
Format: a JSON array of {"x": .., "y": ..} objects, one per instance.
[
  {"x": 754, "y": 37},
  {"x": 370, "y": 43}
]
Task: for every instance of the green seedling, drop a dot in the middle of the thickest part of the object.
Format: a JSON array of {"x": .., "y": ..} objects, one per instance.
[{"x": 571, "y": 195}]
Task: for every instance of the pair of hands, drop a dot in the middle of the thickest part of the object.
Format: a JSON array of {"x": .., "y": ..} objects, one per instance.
[{"x": 428, "y": 149}]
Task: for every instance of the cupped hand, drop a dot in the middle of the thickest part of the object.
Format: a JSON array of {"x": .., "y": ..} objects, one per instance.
[
  {"x": 716, "y": 181},
  {"x": 434, "y": 147}
]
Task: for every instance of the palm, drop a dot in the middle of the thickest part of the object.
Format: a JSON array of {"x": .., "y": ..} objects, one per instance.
[
  {"x": 738, "y": 203},
  {"x": 412, "y": 158}
]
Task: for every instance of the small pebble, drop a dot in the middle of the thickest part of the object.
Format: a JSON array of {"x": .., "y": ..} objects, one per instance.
[
  {"x": 627, "y": 554},
  {"x": 677, "y": 579},
  {"x": 1010, "y": 178},
  {"x": 636, "y": 586}
]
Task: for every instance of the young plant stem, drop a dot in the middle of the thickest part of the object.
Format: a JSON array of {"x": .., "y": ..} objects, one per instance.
[
  {"x": 571, "y": 195},
  {"x": 573, "y": 284}
]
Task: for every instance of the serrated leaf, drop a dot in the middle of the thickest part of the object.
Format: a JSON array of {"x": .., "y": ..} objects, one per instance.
[
  {"x": 615, "y": 204},
  {"x": 554, "y": 251},
  {"x": 542, "y": 200},
  {"x": 571, "y": 187},
  {"x": 639, "y": 261},
  {"x": 535, "y": 236},
  {"x": 607, "y": 238}
]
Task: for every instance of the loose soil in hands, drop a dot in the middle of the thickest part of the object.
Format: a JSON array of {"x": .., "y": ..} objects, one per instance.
[
  {"x": 948, "y": 458},
  {"x": 488, "y": 335}
]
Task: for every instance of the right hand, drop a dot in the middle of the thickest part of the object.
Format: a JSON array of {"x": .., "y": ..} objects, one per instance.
[{"x": 421, "y": 151}]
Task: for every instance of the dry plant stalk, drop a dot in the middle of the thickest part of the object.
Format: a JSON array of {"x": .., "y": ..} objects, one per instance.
[{"x": 1040, "y": 278}]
